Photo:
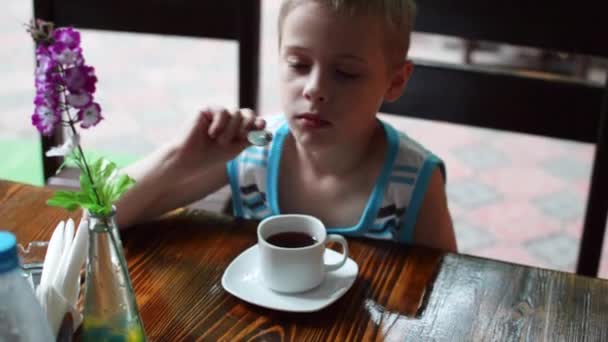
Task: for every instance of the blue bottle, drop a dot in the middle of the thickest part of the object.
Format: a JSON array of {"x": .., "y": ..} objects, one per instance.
[{"x": 21, "y": 316}]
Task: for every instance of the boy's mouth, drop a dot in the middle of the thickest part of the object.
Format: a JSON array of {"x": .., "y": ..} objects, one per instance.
[{"x": 311, "y": 120}]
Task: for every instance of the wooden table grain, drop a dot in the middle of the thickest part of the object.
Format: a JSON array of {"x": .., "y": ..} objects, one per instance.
[{"x": 401, "y": 293}]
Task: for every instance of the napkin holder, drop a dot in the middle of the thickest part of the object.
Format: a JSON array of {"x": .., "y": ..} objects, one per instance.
[{"x": 53, "y": 269}]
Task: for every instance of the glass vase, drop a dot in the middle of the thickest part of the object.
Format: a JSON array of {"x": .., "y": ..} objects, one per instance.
[{"x": 110, "y": 311}]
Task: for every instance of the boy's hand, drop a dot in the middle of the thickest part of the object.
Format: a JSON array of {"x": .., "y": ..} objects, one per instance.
[{"x": 218, "y": 135}]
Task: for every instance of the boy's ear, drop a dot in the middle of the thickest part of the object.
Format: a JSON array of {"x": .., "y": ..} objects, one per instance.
[{"x": 399, "y": 78}]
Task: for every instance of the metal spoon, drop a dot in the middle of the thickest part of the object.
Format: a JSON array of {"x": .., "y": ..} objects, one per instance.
[{"x": 259, "y": 137}]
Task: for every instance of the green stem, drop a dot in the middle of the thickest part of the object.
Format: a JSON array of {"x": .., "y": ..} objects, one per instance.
[
  {"x": 86, "y": 165},
  {"x": 82, "y": 157}
]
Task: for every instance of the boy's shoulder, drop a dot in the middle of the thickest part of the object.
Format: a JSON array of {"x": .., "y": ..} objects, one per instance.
[
  {"x": 413, "y": 157},
  {"x": 409, "y": 170},
  {"x": 409, "y": 151}
]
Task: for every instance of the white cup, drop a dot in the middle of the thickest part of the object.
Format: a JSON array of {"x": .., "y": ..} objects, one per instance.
[{"x": 296, "y": 269}]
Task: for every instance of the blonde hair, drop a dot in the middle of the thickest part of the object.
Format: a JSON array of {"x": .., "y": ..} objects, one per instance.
[{"x": 397, "y": 16}]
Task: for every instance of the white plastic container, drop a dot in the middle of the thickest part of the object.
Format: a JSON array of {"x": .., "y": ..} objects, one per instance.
[{"x": 21, "y": 316}]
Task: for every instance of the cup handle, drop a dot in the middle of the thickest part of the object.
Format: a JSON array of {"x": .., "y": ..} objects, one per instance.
[{"x": 342, "y": 241}]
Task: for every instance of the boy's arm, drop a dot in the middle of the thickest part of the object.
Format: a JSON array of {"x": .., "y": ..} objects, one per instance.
[
  {"x": 434, "y": 225},
  {"x": 162, "y": 185},
  {"x": 188, "y": 169}
]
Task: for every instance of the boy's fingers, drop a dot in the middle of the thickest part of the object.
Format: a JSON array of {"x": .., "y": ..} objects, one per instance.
[
  {"x": 206, "y": 114},
  {"x": 220, "y": 119},
  {"x": 204, "y": 120},
  {"x": 248, "y": 113},
  {"x": 202, "y": 125},
  {"x": 231, "y": 128},
  {"x": 198, "y": 125},
  {"x": 246, "y": 126},
  {"x": 259, "y": 123}
]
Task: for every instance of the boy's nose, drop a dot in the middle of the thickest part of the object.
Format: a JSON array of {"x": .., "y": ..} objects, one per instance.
[
  {"x": 315, "y": 97},
  {"x": 314, "y": 91}
]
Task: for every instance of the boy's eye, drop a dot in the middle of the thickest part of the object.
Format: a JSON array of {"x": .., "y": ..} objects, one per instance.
[
  {"x": 298, "y": 66},
  {"x": 346, "y": 74}
]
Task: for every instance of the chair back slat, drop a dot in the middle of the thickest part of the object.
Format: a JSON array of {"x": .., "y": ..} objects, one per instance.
[
  {"x": 511, "y": 101},
  {"x": 594, "y": 231},
  {"x": 566, "y": 26},
  {"x": 180, "y": 17},
  {"x": 249, "y": 52}
]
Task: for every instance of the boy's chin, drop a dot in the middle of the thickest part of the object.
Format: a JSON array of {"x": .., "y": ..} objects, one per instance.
[{"x": 315, "y": 140}]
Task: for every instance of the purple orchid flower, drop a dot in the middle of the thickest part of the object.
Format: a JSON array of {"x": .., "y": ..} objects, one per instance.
[
  {"x": 80, "y": 79},
  {"x": 45, "y": 86},
  {"x": 47, "y": 98},
  {"x": 90, "y": 115},
  {"x": 46, "y": 67},
  {"x": 80, "y": 100},
  {"x": 45, "y": 119},
  {"x": 65, "y": 88},
  {"x": 65, "y": 55},
  {"x": 47, "y": 112},
  {"x": 67, "y": 36},
  {"x": 62, "y": 80}
]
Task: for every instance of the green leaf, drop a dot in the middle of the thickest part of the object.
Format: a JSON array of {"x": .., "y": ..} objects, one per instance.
[
  {"x": 87, "y": 187},
  {"x": 74, "y": 157},
  {"x": 62, "y": 166},
  {"x": 107, "y": 187},
  {"x": 65, "y": 199},
  {"x": 119, "y": 186},
  {"x": 85, "y": 199},
  {"x": 95, "y": 208}
]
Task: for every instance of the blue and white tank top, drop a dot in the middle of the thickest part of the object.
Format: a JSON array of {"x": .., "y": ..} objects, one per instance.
[{"x": 393, "y": 205}]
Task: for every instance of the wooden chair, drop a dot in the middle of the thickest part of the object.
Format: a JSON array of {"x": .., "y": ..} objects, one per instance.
[
  {"x": 515, "y": 101},
  {"x": 228, "y": 19}
]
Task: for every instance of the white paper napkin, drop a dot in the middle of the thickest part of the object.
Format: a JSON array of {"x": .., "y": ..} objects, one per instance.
[{"x": 60, "y": 283}]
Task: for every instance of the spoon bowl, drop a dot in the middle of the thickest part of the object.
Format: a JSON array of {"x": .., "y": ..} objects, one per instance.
[{"x": 259, "y": 137}]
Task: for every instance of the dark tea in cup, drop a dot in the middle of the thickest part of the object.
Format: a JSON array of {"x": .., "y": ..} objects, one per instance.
[
  {"x": 292, "y": 252},
  {"x": 291, "y": 239}
]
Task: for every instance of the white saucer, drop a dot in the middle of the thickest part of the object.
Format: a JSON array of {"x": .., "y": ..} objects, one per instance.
[{"x": 243, "y": 279}]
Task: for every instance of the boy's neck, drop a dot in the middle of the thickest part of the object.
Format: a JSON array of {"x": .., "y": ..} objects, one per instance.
[{"x": 340, "y": 160}]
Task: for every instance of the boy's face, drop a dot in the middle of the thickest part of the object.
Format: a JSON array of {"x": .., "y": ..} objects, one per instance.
[{"x": 334, "y": 75}]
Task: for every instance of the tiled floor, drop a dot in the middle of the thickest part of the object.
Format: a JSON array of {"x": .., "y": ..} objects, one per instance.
[{"x": 513, "y": 197}]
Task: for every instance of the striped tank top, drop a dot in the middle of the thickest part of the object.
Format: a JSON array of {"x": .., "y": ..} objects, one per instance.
[{"x": 392, "y": 207}]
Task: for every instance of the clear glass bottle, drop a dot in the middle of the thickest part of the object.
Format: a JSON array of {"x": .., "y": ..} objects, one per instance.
[
  {"x": 21, "y": 316},
  {"x": 110, "y": 311}
]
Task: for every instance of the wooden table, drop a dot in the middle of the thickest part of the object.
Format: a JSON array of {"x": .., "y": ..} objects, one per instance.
[{"x": 401, "y": 293}]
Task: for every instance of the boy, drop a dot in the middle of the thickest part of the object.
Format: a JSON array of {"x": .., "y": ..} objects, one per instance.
[{"x": 330, "y": 156}]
